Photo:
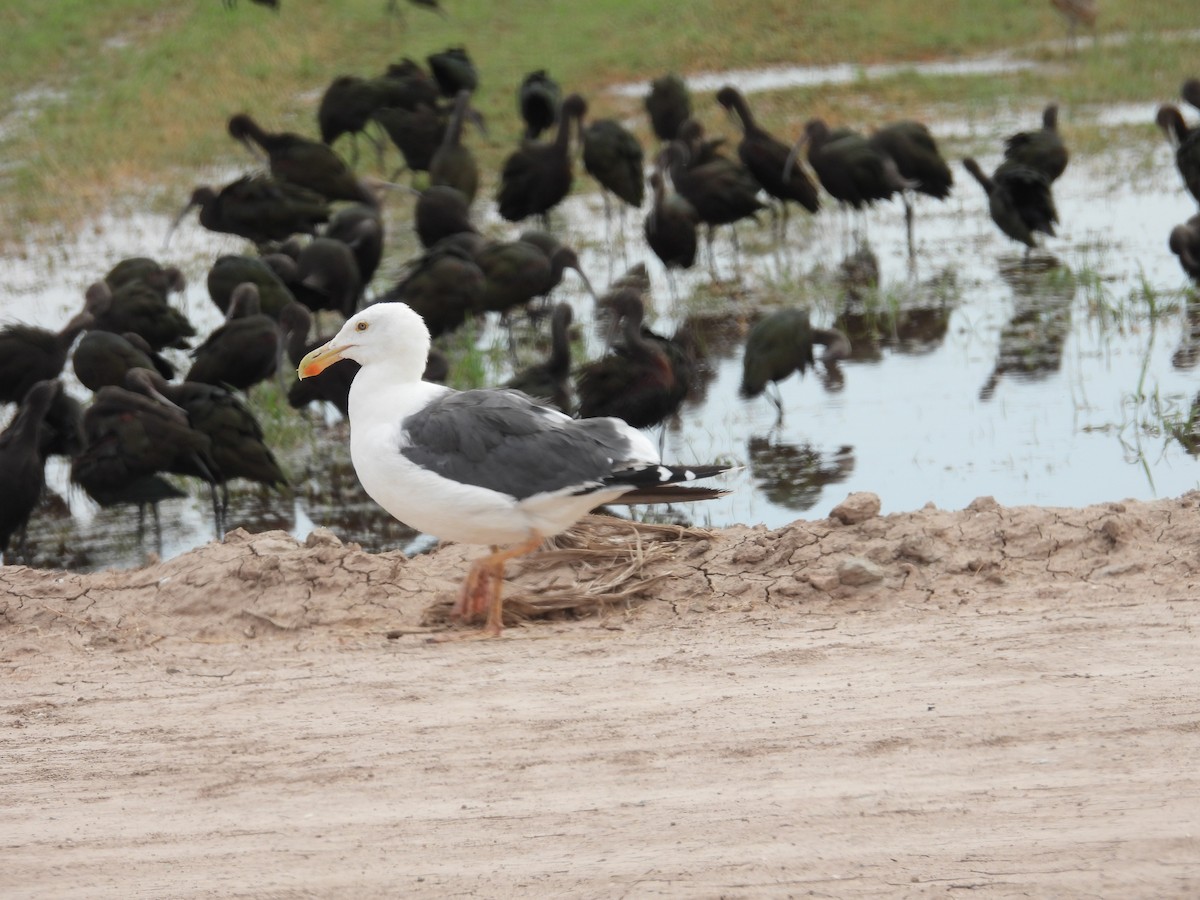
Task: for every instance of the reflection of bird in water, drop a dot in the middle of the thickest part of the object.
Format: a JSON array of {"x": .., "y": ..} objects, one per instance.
[
  {"x": 1031, "y": 343},
  {"x": 782, "y": 343},
  {"x": 792, "y": 476},
  {"x": 486, "y": 466}
]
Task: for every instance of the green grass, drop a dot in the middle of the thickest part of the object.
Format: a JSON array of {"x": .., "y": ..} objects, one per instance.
[{"x": 131, "y": 96}]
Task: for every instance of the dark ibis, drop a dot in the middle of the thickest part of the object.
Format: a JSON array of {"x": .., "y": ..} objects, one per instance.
[
  {"x": 670, "y": 226},
  {"x": 550, "y": 380},
  {"x": 613, "y": 155},
  {"x": 237, "y": 446},
  {"x": 454, "y": 71},
  {"x": 1077, "y": 14},
  {"x": 782, "y": 343},
  {"x": 516, "y": 272},
  {"x": 302, "y": 161},
  {"x": 445, "y": 287},
  {"x": 326, "y": 277},
  {"x": 765, "y": 156},
  {"x": 853, "y": 172},
  {"x": 1019, "y": 200},
  {"x": 538, "y": 100},
  {"x": 29, "y": 354},
  {"x": 259, "y": 208},
  {"x": 537, "y": 176},
  {"x": 1185, "y": 244},
  {"x": 132, "y": 440},
  {"x": 668, "y": 105},
  {"x": 22, "y": 464},
  {"x": 721, "y": 191},
  {"x": 1186, "y": 140},
  {"x": 231, "y": 270},
  {"x": 137, "y": 307},
  {"x": 359, "y": 227},
  {"x": 243, "y": 351},
  {"x": 453, "y": 164},
  {"x": 638, "y": 380},
  {"x": 102, "y": 358},
  {"x": 142, "y": 268},
  {"x": 1042, "y": 149},
  {"x": 911, "y": 146},
  {"x": 441, "y": 211},
  {"x": 349, "y": 103}
]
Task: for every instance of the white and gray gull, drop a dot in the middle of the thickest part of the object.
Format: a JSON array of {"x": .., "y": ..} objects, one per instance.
[{"x": 482, "y": 466}]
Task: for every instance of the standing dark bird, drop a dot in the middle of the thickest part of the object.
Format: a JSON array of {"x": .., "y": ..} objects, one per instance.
[
  {"x": 243, "y": 351},
  {"x": 258, "y": 208},
  {"x": 131, "y": 439},
  {"x": 668, "y": 104},
  {"x": 102, "y": 358},
  {"x": 416, "y": 133},
  {"x": 537, "y": 176},
  {"x": 22, "y": 465},
  {"x": 1043, "y": 149},
  {"x": 516, "y": 272},
  {"x": 359, "y": 227},
  {"x": 444, "y": 287},
  {"x": 1190, "y": 91},
  {"x": 326, "y": 277},
  {"x": 393, "y": 6},
  {"x": 721, "y": 191},
  {"x": 230, "y": 270},
  {"x": 29, "y": 354},
  {"x": 302, "y": 161},
  {"x": 1186, "y": 140},
  {"x": 551, "y": 380},
  {"x": 137, "y": 307},
  {"x": 348, "y": 104},
  {"x": 765, "y": 156},
  {"x": 613, "y": 156},
  {"x": 636, "y": 381},
  {"x": 670, "y": 226},
  {"x": 1019, "y": 200},
  {"x": 237, "y": 447},
  {"x": 1077, "y": 13},
  {"x": 853, "y": 171},
  {"x": 453, "y": 71},
  {"x": 538, "y": 100},
  {"x": 273, "y": 4},
  {"x": 1185, "y": 244},
  {"x": 453, "y": 164},
  {"x": 441, "y": 211},
  {"x": 912, "y": 148},
  {"x": 142, "y": 268},
  {"x": 782, "y": 343}
]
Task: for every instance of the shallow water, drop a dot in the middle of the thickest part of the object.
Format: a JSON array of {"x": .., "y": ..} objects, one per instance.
[{"x": 943, "y": 410}]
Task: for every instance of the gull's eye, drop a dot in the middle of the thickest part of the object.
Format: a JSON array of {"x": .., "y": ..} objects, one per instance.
[{"x": 361, "y": 326}]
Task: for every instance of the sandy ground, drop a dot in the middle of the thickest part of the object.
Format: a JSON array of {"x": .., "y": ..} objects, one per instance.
[{"x": 1005, "y": 701}]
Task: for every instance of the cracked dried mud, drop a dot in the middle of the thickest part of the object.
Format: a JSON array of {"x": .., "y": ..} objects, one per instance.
[{"x": 997, "y": 699}]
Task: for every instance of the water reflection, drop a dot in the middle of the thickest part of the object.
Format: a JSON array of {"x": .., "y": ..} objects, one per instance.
[
  {"x": 1031, "y": 342},
  {"x": 793, "y": 475}
]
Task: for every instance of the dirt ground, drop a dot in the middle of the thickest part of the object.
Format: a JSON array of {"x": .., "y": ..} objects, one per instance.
[{"x": 1001, "y": 700}]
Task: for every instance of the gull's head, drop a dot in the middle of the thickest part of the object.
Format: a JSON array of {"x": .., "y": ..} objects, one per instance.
[{"x": 389, "y": 333}]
